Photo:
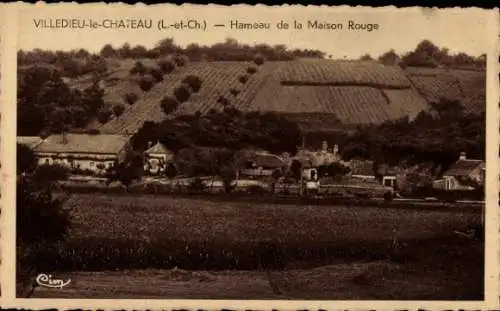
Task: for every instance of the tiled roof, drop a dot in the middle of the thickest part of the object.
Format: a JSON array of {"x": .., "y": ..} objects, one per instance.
[
  {"x": 158, "y": 148},
  {"x": 463, "y": 167},
  {"x": 360, "y": 167},
  {"x": 262, "y": 159},
  {"x": 83, "y": 143},
  {"x": 29, "y": 141}
]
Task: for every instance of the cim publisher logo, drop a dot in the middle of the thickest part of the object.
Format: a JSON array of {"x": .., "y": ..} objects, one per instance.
[{"x": 45, "y": 280}]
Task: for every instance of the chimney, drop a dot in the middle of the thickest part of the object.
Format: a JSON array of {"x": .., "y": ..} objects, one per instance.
[
  {"x": 463, "y": 156},
  {"x": 64, "y": 138},
  {"x": 150, "y": 144},
  {"x": 324, "y": 146}
]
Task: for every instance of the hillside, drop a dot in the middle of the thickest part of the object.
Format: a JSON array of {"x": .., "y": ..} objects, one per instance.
[
  {"x": 321, "y": 94},
  {"x": 466, "y": 86}
]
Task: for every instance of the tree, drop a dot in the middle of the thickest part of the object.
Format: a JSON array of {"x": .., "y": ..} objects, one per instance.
[
  {"x": 228, "y": 163},
  {"x": 157, "y": 74},
  {"x": 146, "y": 83},
  {"x": 366, "y": 57},
  {"x": 130, "y": 98},
  {"x": 104, "y": 115},
  {"x": 41, "y": 222},
  {"x": 337, "y": 170},
  {"x": 118, "y": 109},
  {"x": 138, "y": 68},
  {"x": 170, "y": 171},
  {"x": 49, "y": 174},
  {"x": 243, "y": 79},
  {"x": 258, "y": 59},
  {"x": 26, "y": 160},
  {"x": 128, "y": 171},
  {"x": 234, "y": 91},
  {"x": 251, "y": 70},
  {"x": 167, "y": 46},
  {"x": 389, "y": 58},
  {"x": 223, "y": 101},
  {"x": 125, "y": 51},
  {"x": 40, "y": 217},
  {"x": 169, "y": 104},
  {"x": 107, "y": 51},
  {"x": 180, "y": 60},
  {"x": 193, "y": 81},
  {"x": 276, "y": 175},
  {"x": 296, "y": 170},
  {"x": 166, "y": 65},
  {"x": 182, "y": 93}
]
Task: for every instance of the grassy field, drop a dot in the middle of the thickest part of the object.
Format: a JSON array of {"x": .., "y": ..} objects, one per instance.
[{"x": 123, "y": 243}]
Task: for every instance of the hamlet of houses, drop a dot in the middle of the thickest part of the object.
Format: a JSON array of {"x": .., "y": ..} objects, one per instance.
[{"x": 95, "y": 153}]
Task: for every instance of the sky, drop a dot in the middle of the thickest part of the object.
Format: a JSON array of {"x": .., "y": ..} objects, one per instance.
[{"x": 460, "y": 30}]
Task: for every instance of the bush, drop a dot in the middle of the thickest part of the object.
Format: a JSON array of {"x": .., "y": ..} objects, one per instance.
[
  {"x": 243, "y": 79},
  {"x": 157, "y": 74},
  {"x": 193, "y": 81},
  {"x": 223, "y": 101},
  {"x": 234, "y": 91},
  {"x": 182, "y": 93},
  {"x": 256, "y": 190},
  {"x": 251, "y": 70},
  {"x": 169, "y": 104},
  {"x": 46, "y": 174},
  {"x": 166, "y": 65},
  {"x": 146, "y": 83},
  {"x": 196, "y": 186},
  {"x": 180, "y": 60},
  {"x": 118, "y": 109},
  {"x": 258, "y": 59},
  {"x": 138, "y": 68},
  {"x": 130, "y": 98},
  {"x": 103, "y": 115}
]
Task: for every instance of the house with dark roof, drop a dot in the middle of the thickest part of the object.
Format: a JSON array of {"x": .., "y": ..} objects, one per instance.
[
  {"x": 261, "y": 163},
  {"x": 156, "y": 157},
  {"x": 83, "y": 152},
  {"x": 464, "y": 174}
]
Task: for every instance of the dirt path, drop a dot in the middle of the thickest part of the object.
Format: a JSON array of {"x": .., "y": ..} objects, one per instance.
[{"x": 370, "y": 280}]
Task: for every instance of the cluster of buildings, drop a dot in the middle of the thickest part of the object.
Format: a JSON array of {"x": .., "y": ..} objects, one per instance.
[{"x": 96, "y": 153}]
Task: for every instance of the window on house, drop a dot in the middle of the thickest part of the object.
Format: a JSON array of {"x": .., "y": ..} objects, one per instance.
[{"x": 91, "y": 164}]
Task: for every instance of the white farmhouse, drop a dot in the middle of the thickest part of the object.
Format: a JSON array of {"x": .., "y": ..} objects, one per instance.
[{"x": 83, "y": 152}]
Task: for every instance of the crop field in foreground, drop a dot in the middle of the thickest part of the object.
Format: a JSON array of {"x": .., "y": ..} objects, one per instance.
[{"x": 193, "y": 248}]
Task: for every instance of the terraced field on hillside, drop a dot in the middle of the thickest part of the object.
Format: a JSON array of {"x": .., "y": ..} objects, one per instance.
[
  {"x": 324, "y": 72},
  {"x": 469, "y": 87},
  {"x": 347, "y": 91},
  {"x": 322, "y": 91},
  {"x": 218, "y": 79}
]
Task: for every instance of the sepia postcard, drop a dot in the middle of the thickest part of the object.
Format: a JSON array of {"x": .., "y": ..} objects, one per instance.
[{"x": 249, "y": 157}]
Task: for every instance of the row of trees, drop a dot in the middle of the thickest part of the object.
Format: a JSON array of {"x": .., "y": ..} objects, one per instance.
[
  {"x": 78, "y": 62},
  {"x": 229, "y": 50},
  {"x": 229, "y": 128},
  {"x": 71, "y": 64},
  {"x": 181, "y": 94},
  {"x": 427, "y": 54},
  {"x": 437, "y": 137}
]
